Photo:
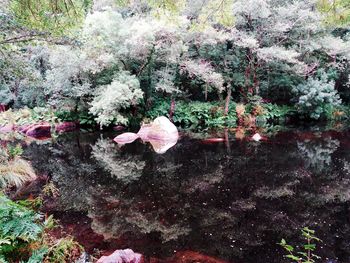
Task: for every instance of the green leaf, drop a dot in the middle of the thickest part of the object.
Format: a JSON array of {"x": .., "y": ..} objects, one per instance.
[
  {"x": 310, "y": 247},
  {"x": 295, "y": 258}
]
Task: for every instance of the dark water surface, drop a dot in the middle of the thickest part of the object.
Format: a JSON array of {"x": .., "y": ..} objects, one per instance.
[{"x": 233, "y": 201}]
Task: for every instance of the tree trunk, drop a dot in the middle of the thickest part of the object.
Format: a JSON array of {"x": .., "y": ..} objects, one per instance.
[
  {"x": 172, "y": 109},
  {"x": 227, "y": 102}
]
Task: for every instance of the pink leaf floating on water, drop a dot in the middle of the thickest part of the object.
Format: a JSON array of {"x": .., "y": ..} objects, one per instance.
[{"x": 127, "y": 137}]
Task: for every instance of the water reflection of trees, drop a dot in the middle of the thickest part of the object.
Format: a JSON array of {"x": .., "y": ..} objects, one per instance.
[
  {"x": 232, "y": 205},
  {"x": 318, "y": 153},
  {"x": 124, "y": 167}
]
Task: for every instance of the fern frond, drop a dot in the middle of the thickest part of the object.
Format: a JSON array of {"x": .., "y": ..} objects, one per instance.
[{"x": 17, "y": 222}]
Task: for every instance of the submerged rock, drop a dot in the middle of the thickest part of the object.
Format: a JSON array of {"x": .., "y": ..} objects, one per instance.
[{"x": 122, "y": 256}]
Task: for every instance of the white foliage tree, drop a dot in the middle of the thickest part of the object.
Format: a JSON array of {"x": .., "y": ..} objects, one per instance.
[{"x": 111, "y": 99}]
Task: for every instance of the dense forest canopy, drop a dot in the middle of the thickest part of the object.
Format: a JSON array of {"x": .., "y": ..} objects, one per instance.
[{"x": 116, "y": 58}]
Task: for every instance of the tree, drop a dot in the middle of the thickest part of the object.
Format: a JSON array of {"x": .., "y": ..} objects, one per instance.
[
  {"x": 52, "y": 17},
  {"x": 337, "y": 12}
]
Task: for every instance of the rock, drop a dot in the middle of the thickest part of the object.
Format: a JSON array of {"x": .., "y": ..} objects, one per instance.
[
  {"x": 162, "y": 129},
  {"x": 213, "y": 140},
  {"x": 119, "y": 128},
  {"x": 161, "y": 133},
  {"x": 122, "y": 256},
  {"x": 7, "y": 128},
  {"x": 39, "y": 130},
  {"x": 25, "y": 128},
  {"x": 127, "y": 137},
  {"x": 2, "y": 107},
  {"x": 161, "y": 146},
  {"x": 66, "y": 126},
  {"x": 256, "y": 137},
  {"x": 84, "y": 258},
  {"x": 144, "y": 131}
]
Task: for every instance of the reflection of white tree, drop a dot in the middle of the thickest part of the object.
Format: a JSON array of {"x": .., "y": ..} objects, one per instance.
[
  {"x": 126, "y": 218},
  {"x": 146, "y": 225},
  {"x": 124, "y": 167},
  {"x": 318, "y": 153},
  {"x": 346, "y": 166}
]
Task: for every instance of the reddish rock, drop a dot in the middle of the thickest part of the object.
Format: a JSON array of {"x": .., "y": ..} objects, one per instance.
[
  {"x": 39, "y": 130},
  {"x": 119, "y": 128},
  {"x": 213, "y": 140},
  {"x": 66, "y": 126},
  {"x": 122, "y": 256},
  {"x": 2, "y": 107},
  {"x": 25, "y": 128}
]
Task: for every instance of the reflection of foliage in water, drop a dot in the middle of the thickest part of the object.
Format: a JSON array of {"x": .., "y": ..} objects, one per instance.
[
  {"x": 168, "y": 232},
  {"x": 126, "y": 218},
  {"x": 123, "y": 167},
  {"x": 318, "y": 154},
  {"x": 236, "y": 205}
]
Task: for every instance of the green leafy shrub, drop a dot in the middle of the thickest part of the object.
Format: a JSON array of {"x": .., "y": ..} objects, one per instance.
[
  {"x": 187, "y": 114},
  {"x": 316, "y": 97},
  {"x": 14, "y": 151},
  {"x": 211, "y": 114},
  {"x": 277, "y": 112},
  {"x": 306, "y": 254},
  {"x": 24, "y": 236},
  {"x": 19, "y": 226},
  {"x": 83, "y": 117},
  {"x": 63, "y": 250}
]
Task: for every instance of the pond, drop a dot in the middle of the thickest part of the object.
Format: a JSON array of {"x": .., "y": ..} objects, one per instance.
[{"x": 232, "y": 200}]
